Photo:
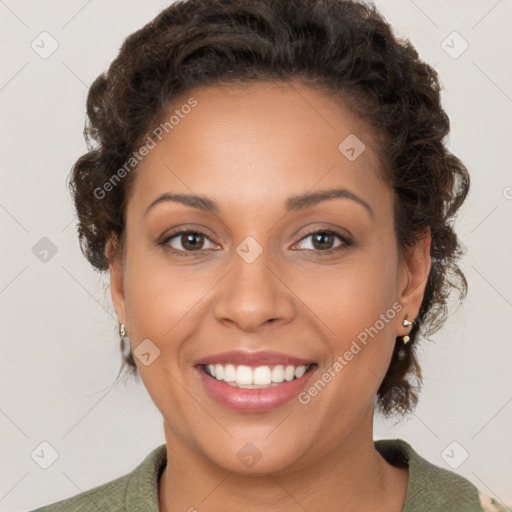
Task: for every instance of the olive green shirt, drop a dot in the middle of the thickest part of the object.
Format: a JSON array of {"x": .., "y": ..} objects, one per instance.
[{"x": 430, "y": 488}]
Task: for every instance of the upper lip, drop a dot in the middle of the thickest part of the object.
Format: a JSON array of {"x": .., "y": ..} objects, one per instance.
[{"x": 259, "y": 358}]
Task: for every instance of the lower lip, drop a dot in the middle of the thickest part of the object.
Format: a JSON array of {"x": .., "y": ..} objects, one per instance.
[{"x": 254, "y": 400}]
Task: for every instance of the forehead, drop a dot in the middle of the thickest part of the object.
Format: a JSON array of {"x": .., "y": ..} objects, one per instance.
[{"x": 257, "y": 142}]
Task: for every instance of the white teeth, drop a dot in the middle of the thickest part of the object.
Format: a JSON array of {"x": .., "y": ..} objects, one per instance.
[
  {"x": 299, "y": 371},
  {"x": 243, "y": 375},
  {"x": 261, "y": 376},
  {"x": 219, "y": 372},
  {"x": 289, "y": 372},
  {"x": 229, "y": 373},
  {"x": 278, "y": 373}
]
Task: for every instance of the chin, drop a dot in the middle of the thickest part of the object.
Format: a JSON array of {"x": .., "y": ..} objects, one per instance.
[{"x": 258, "y": 457}]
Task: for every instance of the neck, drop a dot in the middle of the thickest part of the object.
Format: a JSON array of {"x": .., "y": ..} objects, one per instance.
[{"x": 353, "y": 475}]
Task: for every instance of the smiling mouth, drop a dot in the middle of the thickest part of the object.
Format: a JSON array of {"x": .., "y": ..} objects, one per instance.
[{"x": 258, "y": 377}]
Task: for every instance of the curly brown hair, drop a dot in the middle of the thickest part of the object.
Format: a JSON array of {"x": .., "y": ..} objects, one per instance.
[{"x": 342, "y": 47}]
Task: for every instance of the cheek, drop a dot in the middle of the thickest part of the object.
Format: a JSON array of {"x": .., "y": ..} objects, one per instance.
[
  {"x": 161, "y": 296},
  {"x": 166, "y": 303},
  {"x": 352, "y": 295},
  {"x": 161, "y": 304},
  {"x": 356, "y": 304}
]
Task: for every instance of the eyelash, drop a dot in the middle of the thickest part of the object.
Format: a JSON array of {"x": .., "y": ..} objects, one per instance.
[{"x": 346, "y": 242}]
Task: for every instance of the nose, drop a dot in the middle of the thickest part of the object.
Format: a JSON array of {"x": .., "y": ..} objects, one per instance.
[{"x": 253, "y": 295}]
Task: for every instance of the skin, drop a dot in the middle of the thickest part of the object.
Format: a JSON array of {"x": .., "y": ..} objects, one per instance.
[{"x": 249, "y": 149}]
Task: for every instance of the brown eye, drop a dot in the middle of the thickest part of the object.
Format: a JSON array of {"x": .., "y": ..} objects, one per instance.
[
  {"x": 187, "y": 241},
  {"x": 192, "y": 241},
  {"x": 324, "y": 240}
]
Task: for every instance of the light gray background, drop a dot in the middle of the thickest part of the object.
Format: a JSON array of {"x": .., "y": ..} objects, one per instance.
[{"x": 59, "y": 342}]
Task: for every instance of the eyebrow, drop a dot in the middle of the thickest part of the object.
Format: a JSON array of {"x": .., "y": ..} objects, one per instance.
[{"x": 293, "y": 203}]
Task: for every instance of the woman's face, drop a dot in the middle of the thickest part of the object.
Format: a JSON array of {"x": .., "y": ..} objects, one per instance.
[{"x": 264, "y": 269}]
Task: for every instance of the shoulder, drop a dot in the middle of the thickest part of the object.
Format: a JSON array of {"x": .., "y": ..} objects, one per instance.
[
  {"x": 109, "y": 496},
  {"x": 430, "y": 487},
  {"x": 137, "y": 490}
]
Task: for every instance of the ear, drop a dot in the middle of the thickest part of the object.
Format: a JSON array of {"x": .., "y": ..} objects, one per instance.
[
  {"x": 414, "y": 271},
  {"x": 116, "y": 281}
]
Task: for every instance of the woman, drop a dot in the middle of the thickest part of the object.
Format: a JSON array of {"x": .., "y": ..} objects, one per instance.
[{"x": 271, "y": 195}]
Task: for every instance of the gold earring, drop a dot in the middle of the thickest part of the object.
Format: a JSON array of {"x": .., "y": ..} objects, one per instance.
[{"x": 406, "y": 338}]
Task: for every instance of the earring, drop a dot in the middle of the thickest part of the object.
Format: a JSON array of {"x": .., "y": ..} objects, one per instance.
[
  {"x": 125, "y": 341},
  {"x": 406, "y": 338}
]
